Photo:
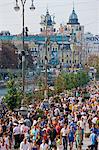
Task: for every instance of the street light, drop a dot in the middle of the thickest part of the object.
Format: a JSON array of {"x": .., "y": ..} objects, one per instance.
[
  {"x": 17, "y": 8},
  {"x": 73, "y": 42},
  {"x": 62, "y": 51}
]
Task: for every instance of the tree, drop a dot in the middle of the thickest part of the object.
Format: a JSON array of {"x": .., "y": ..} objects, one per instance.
[
  {"x": 1, "y": 77},
  {"x": 14, "y": 96},
  {"x": 59, "y": 84},
  {"x": 93, "y": 61},
  {"x": 9, "y": 59},
  {"x": 68, "y": 81}
]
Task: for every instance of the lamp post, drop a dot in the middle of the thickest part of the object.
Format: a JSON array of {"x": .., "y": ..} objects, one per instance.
[
  {"x": 63, "y": 52},
  {"x": 73, "y": 41},
  {"x": 17, "y": 8}
]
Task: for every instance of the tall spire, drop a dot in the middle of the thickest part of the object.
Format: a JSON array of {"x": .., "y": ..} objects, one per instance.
[
  {"x": 73, "y": 5},
  {"x": 47, "y": 11},
  {"x": 73, "y": 19}
]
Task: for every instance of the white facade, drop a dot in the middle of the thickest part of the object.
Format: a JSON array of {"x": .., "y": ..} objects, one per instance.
[{"x": 91, "y": 44}]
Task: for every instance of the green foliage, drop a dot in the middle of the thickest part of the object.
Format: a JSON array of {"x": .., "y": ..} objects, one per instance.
[
  {"x": 1, "y": 77},
  {"x": 14, "y": 96},
  {"x": 59, "y": 84},
  {"x": 93, "y": 61},
  {"x": 28, "y": 98},
  {"x": 50, "y": 93},
  {"x": 38, "y": 95},
  {"x": 68, "y": 81},
  {"x": 40, "y": 113}
]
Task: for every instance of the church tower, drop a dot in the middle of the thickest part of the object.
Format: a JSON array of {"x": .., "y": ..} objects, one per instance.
[{"x": 47, "y": 24}]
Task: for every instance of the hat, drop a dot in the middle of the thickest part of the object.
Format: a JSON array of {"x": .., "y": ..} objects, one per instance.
[
  {"x": 44, "y": 129},
  {"x": 39, "y": 118},
  {"x": 21, "y": 121},
  {"x": 16, "y": 121},
  {"x": 15, "y": 124},
  {"x": 34, "y": 123}
]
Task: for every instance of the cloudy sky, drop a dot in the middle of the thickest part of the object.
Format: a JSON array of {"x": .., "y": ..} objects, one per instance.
[{"x": 87, "y": 10}]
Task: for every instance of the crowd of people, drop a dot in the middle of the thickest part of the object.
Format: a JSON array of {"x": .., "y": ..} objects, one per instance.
[{"x": 61, "y": 123}]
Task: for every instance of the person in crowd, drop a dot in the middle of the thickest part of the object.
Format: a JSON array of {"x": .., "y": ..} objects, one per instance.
[
  {"x": 24, "y": 145},
  {"x": 34, "y": 146},
  {"x": 64, "y": 134},
  {"x": 82, "y": 126},
  {"x": 78, "y": 138},
  {"x": 34, "y": 131},
  {"x": 71, "y": 135},
  {"x": 44, "y": 145},
  {"x": 58, "y": 126},
  {"x": 93, "y": 139},
  {"x": 3, "y": 145},
  {"x": 16, "y": 134}
]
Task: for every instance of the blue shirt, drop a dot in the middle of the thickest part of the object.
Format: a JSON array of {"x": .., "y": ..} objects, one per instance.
[
  {"x": 96, "y": 130},
  {"x": 34, "y": 132},
  {"x": 72, "y": 124},
  {"x": 93, "y": 138},
  {"x": 71, "y": 136}
]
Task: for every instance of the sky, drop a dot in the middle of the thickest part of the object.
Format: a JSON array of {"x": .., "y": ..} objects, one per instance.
[{"x": 87, "y": 11}]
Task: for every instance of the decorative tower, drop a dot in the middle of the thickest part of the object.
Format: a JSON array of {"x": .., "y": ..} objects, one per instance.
[
  {"x": 75, "y": 31},
  {"x": 47, "y": 21},
  {"x": 73, "y": 26}
]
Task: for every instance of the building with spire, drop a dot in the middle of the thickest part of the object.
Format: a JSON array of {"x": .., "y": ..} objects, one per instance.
[
  {"x": 47, "y": 24},
  {"x": 72, "y": 27},
  {"x": 76, "y": 32},
  {"x": 64, "y": 49}
]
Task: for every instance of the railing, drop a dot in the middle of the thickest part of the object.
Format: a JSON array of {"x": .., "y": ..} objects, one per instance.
[{"x": 10, "y": 70}]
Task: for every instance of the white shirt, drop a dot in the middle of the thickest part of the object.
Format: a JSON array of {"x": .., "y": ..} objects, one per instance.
[
  {"x": 7, "y": 141},
  {"x": 24, "y": 146},
  {"x": 80, "y": 99},
  {"x": 81, "y": 123},
  {"x": 94, "y": 120},
  {"x": 22, "y": 128},
  {"x": 43, "y": 146},
  {"x": 57, "y": 111},
  {"x": 64, "y": 132},
  {"x": 85, "y": 119},
  {"x": 3, "y": 147}
]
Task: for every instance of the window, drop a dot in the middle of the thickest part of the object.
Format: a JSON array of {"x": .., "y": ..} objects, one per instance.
[
  {"x": 77, "y": 28},
  {"x": 80, "y": 28},
  {"x": 48, "y": 49},
  {"x": 65, "y": 29}
]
